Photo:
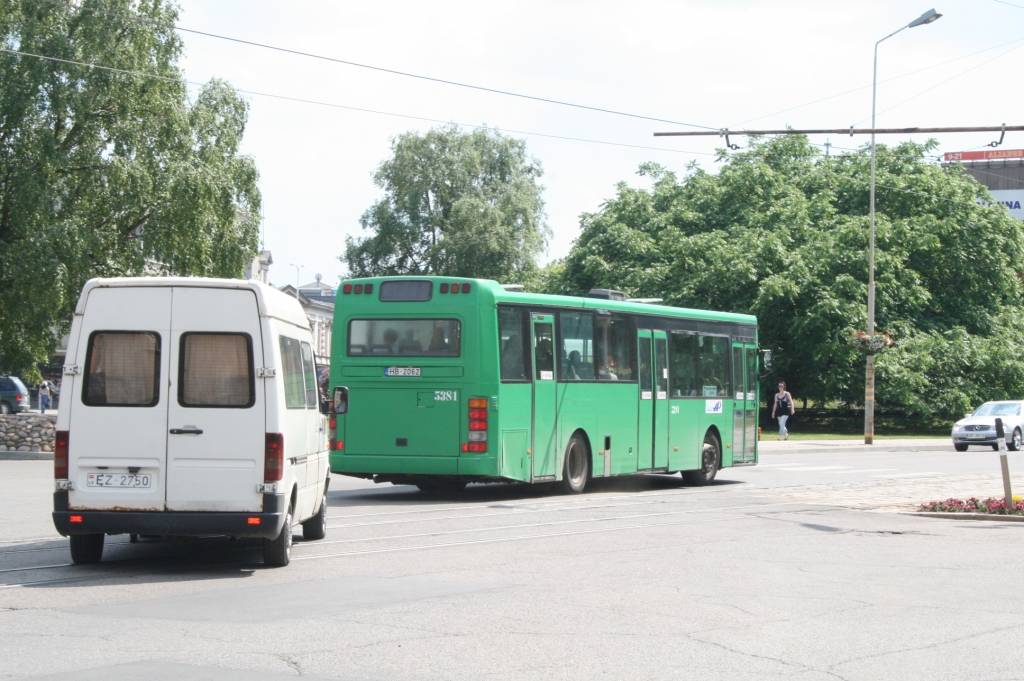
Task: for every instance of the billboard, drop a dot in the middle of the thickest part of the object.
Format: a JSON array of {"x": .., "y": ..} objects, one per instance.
[{"x": 1013, "y": 199}]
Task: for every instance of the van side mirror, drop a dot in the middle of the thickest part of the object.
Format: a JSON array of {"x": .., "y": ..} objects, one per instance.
[{"x": 341, "y": 400}]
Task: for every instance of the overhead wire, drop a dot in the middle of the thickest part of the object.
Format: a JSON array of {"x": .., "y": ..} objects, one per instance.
[
  {"x": 906, "y": 74},
  {"x": 346, "y": 107},
  {"x": 944, "y": 81},
  {"x": 443, "y": 81},
  {"x": 420, "y": 76}
]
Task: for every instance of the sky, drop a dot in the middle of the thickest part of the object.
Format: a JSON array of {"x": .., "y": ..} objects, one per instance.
[{"x": 720, "y": 64}]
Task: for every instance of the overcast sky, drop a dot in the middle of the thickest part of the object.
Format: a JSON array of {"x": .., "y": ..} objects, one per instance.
[{"x": 713, "y": 63}]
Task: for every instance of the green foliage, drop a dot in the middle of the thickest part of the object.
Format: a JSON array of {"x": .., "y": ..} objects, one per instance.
[
  {"x": 105, "y": 173},
  {"x": 781, "y": 232},
  {"x": 460, "y": 204}
]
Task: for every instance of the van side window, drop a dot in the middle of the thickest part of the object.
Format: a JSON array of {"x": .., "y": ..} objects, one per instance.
[
  {"x": 309, "y": 372},
  {"x": 291, "y": 372},
  {"x": 122, "y": 369},
  {"x": 216, "y": 370}
]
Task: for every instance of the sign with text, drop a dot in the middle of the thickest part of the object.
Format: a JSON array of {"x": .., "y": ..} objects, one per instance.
[{"x": 986, "y": 155}]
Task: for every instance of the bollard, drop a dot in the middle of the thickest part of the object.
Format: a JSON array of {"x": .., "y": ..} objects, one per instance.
[
  {"x": 1004, "y": 464},
  {"x": 1007, "y": 492}
]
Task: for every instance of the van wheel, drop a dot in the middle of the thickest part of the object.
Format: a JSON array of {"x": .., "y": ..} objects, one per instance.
[
  {"x": 1014, "y": 444},
  {"x": 576, "y": 469},
  {"x": 959, "y": 447},
  {"x": 316, "y": 527},
  {"x": 277, "y": 552},
  {"x": 86, "y": 548},
  {"x": 710, "y": 453}
]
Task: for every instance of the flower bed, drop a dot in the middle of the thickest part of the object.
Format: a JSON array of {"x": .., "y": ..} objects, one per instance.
[{"x": 974, "y": 505}]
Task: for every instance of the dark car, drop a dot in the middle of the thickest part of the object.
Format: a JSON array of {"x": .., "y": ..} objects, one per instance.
[{"x": 13, "y": 395}]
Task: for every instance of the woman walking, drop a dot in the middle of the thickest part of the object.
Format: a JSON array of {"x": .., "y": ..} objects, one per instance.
[{"x": 782, "y": 408}]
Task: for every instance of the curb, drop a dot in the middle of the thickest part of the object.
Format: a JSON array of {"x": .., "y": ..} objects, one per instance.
[
  {"x": 26, "y": 456},
  {"x": 969, "y": 516}
]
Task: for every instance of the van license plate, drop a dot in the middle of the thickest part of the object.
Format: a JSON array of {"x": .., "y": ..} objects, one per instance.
[
  {"x": 119, "y": 480},
  {"x": 402, "y": 371}
]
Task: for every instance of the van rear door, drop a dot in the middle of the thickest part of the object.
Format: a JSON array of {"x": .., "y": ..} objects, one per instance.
[
  {"x": 216, "y": 411},
  {"x": 118, "y": 417}
]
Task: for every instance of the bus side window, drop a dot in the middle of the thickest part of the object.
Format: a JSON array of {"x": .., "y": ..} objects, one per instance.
[
  {"x": 513, "y": 350},
  {"x": 576, "y": 336}
]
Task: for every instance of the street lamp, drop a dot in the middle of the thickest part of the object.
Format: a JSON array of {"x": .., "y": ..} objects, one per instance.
[{"x": 869, "y": 371}]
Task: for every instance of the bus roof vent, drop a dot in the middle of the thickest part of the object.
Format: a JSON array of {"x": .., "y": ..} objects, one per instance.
[
  {"x": 606, "y": 294},
  {"x": 513, "y": 287},
  {"x": 651, "y": 301}
]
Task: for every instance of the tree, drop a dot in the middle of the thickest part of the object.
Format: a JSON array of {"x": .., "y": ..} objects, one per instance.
[
  {"x": 781, "y": 232},
  {"x": 109, "y": 172},
  {"x": 458, "y": 204}
]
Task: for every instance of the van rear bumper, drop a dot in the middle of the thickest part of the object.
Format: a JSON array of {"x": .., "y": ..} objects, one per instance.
[{"x": 172, "y": 523}]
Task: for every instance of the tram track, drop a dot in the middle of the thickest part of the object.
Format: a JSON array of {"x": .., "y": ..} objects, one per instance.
[{"x": 99, "y": 574}]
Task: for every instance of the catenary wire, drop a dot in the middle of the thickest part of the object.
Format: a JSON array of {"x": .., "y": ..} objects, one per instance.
[{"x": 345, "y": 107}]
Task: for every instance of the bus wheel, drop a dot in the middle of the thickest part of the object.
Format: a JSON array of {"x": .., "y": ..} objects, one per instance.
[
  {"x": 710, "y": 454},
  {"x": 576, "y": 471},
  {"x": 442, "y": 488}
]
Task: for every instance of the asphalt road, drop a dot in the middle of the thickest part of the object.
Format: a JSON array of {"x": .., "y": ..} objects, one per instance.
[{"x": 801, "y": 567}]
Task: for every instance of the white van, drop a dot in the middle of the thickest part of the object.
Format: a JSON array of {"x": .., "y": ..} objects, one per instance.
[{"x": 189, "y": 407}]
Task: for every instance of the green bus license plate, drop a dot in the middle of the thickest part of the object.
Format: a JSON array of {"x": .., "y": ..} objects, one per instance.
[
  {"x": 129, "y": 480},
  {"x": 402, "y": 371}
]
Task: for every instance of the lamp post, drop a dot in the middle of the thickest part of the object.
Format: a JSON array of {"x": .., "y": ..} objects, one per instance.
[{"x": 869, "y": 371}]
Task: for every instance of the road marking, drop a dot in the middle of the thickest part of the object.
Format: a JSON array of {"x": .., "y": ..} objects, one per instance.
[
  {"x": 808, "y": 469},
  {"x": 37, "y": 567},
  {"x": 499, "y": 540}
]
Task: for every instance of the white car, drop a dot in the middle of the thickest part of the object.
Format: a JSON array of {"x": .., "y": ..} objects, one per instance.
[
  {"x": 979, "y": 428},
  {"x": 190, "y": 407}
]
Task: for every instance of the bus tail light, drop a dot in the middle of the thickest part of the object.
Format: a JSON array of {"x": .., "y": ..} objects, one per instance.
[
  {"x": 273, "y": 458},
  {"x": 60, "y": 454},
  {"x": 477, "y": 422}
]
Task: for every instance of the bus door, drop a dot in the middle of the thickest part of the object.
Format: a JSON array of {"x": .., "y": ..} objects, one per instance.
[
  {"x": 544, "y": 454},
  {"x": 750, "y": 359},
  {"x": 652, "y": 352},
  {"x": 645, "y": 425},
  {"x": 744, "y": 413},
  {"x": 661, "y": 434}
]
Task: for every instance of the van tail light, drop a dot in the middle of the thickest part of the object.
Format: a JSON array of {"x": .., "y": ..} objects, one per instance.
[
  {"x": 19, "y": 397},
  {"x": 60, "y": 454},
  {"x": 478, "y": 425},
  {"x": 273, "y": 458}
]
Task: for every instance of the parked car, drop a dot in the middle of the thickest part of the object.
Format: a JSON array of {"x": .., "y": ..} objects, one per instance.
[
  {"x": 14, "y": 395},
  {"x": 979, "y": 428},
  {"x": 190, "y": 408}
]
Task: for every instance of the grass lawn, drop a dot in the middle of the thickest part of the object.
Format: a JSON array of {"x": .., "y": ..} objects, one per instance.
[{"x": 768, "y": 436}]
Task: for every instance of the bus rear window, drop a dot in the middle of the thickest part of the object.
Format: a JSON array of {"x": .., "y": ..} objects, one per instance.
[{"x": 404, "y": 337}]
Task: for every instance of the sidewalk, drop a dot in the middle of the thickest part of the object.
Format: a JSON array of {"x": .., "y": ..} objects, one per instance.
[{"x": 931, "y": 444}]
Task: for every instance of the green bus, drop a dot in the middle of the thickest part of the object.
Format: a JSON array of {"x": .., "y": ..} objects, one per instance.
[{"x": 440, "y": 381}]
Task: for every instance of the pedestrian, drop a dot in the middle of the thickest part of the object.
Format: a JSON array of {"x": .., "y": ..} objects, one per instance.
[
  {"x": 782, "y": 408},
  {"x": 44, "y": 396}
]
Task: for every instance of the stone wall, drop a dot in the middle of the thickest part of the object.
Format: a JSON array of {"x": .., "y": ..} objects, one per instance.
[{"x": 27, "y": 433}]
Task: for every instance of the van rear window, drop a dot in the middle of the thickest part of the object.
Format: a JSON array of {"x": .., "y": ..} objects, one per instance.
[
  {"x": 216, "y": 370},
  {"x": 122, "y": 369},
  {"x": 404, "y": 337}
]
